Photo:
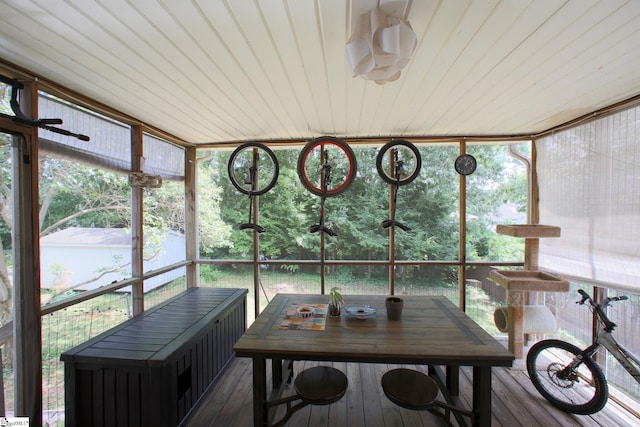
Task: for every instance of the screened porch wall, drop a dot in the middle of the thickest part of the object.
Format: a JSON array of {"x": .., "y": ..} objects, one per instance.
[{"x": 589, "y": 184}]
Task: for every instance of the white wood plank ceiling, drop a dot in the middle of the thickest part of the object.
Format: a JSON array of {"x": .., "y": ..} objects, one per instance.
[{"x": 213, "y": 71}]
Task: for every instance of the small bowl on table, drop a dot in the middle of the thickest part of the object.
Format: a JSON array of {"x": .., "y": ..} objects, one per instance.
[{"x": 305, "y": 311}]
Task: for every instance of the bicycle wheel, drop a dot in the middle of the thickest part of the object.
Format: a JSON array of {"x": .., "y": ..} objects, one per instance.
[
  {"x": 398, "y": 159},
  {"x": 253, "y": 168},
  {"x": 579, "y": 390},
  {"x": 326, "y": 166}
]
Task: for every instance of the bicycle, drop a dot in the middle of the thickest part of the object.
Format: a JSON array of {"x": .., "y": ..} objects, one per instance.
[
  {"x": 253, "y": 170},
  {"x": 326, "y": 167},
  {"x": 398, "y": 163},
  {"x": 567, "y": 376}
]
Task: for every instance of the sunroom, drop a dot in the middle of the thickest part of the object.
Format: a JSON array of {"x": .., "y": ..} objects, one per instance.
[{"x": 129, "y": 200}]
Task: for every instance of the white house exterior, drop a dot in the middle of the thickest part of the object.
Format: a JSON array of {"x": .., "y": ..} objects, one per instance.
[{"x": 87, "y": 258}]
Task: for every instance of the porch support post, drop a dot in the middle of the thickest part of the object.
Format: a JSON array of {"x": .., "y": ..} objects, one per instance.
[
  {"x": 137, "y": 221},
  {"x": 191, "y": 217},
  {"x": 27, "y": 323},
  {"x": 462, "y": 247}
]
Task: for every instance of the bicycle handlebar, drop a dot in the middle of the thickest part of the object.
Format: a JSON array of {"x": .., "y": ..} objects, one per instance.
[
  {"x": 603, "y": 303},
  {"x": 599, "y": 308},
  {"x": 585, "y": 297},
  {"x": 620, "y": 298}
]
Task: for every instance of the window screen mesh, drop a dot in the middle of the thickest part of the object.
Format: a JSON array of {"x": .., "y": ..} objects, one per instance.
[
  {"x": 163, "y": 158},
  {"x": 589, "y": 179},
  {"x": 110, "y": 144}
]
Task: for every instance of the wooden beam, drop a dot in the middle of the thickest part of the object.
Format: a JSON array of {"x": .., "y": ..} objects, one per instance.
[
  {"x": 462, "y": 239},
  {"x": 191, "y": 217},
  {"x": 534, "y": 200},
  {"x": 27, "y": 322},
  {"x": 137, "y": 221}
]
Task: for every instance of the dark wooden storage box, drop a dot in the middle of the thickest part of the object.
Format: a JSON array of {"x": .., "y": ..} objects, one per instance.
[{"x": 152, "y": 369}]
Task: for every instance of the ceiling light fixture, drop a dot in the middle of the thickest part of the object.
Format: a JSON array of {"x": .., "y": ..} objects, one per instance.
[{"x": 381, "y": 44}]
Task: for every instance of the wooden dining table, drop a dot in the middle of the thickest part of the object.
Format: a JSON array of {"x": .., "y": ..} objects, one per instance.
[{"x": 432, "y": 331}]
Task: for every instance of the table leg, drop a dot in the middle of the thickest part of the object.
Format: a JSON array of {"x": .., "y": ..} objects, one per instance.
[
  {"x": 276, "y": 369},
  {"x": 282, "y": 371},
  {"x": 450, "y": 381},
  {"x": 260, "y": 412},
  {"x": 481, "y": 396},
  {"x": 453, "y": 380}
]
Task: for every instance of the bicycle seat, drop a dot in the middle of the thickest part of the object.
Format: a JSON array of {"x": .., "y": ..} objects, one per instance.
[
  {"x": 393, "y": 223},
  {"x": 318, "y": 227},
  {"x": 255, "y": 227}
]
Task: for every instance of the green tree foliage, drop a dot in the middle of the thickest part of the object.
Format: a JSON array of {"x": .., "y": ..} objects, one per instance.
[
  {"x": 6, "y": 224},
  {"x": 77, "y": 195},
  {"x": 284, "y": 212},
  {"x": 74, "y": 194},
  {"x": 214, "y": 232},
  {"x": 362, "y": 208},
  {"x": 429, "y": 205},
  {"x": 500, "y": 181}
]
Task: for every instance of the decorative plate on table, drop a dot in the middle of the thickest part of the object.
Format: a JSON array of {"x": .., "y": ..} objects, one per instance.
[{"x": 361, "y": 312}]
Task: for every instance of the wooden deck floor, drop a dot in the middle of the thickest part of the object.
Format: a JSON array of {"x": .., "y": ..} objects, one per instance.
[{"x": 514, "y": 403}]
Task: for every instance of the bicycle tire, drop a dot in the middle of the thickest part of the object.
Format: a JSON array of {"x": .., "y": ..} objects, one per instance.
[
  {"x": 386, "y": 167},
  {"x": 577, "y": 395},
  {"x": 343, "y": 170},
  {"x": 242, "y": 159}
]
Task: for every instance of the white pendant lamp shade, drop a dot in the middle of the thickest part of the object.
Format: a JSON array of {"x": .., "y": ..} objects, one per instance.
[{"x": 380, "y": 46}]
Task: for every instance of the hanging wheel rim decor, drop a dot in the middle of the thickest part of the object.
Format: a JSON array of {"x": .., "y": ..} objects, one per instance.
[
  {"x": 322, "y": 153},
  {"x": 253, "y": 158},
  {"x": 398, "y": 163},
  {"x": 253, "y": 170},
  {"x": 402, "y": 155}
]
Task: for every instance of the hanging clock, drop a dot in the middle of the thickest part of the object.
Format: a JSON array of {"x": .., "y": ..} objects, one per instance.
[{"x": 465, "y": 164}]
